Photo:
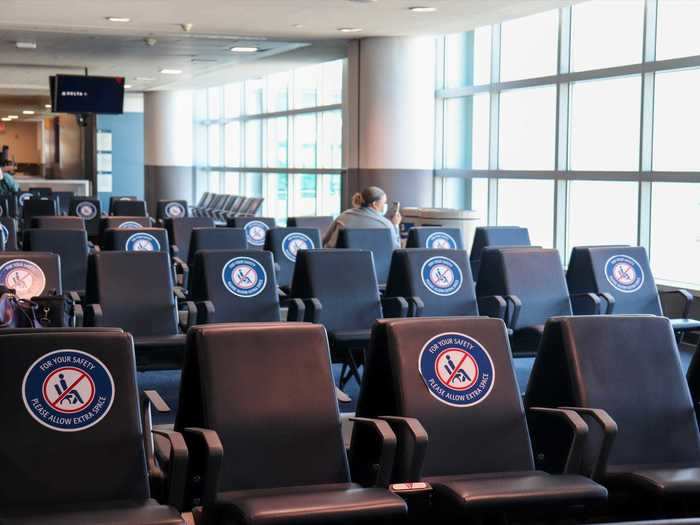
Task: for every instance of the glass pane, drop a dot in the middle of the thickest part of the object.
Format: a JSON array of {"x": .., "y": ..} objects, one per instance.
[
  {"x": 602, "y": 212},
  {"x": 468, "y": 58},
  {"x": 332, "y": 83},
  {"x": 232, "y": 100},
  {"x": 675, "y": 233},
  {"x": 605, "y": 124},
  {"x": 253, "y": 143},
  {"x": 330, "y": 140},
  {"x": 304, "y": 199},
  {"x": 214, "y": 141},
  {"x": 530, "y": 204},
  {"x": 329, "y": 194},
  {"x": 466, "y": 140},
  {"x": 529, "y": 46},
  {"x": 254, "y": 96},
  {"x": 606, "y": 33},
  {"x": 276, "y": 195},
  {"x": 466, "y": 194},
  {"x": 527, "y": 129},
  {"x": 253, "y": 184},
  {"x": 676, "y": 117},
  {"x": 305, "y": 141},
  {"x": 278, "y": 92},
  {"x": 306, "y": 86},
  {"x": 232, "y": 130},
  {"x": 232, "y": 183},
  {"x": 677, "y": 32},
  {"x": 214, "y": 103},
  {"x": 215, "y": 178},
  {"x": 276, "y": 142}
]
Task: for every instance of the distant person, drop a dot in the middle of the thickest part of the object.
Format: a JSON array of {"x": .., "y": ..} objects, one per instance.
[
  {"x": 8, "y": 184},
  {"x": 368, "y": 210}
]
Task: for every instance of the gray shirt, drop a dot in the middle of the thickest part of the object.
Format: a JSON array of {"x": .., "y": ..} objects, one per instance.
[{"x": 360, "y": 218}]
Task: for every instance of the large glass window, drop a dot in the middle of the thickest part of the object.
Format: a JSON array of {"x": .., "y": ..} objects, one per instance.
[
  {"x": 527, "y": 129},
  {"x": 306, "y": 86},
  {"x": 468, "y": 58},
  {"x": 677, "y": 29},
  {"x": 305, "y": 141},
  {"x": 276, "y": 142},
  {"x": 466, "y": 135},
  {"x": 604, "y": 132},
  {"x": 278, "y": 92},
  {"x": 529, "y": 46},
  {"x": 330, "y": 139},
  {"x": 530, "y": 204}
]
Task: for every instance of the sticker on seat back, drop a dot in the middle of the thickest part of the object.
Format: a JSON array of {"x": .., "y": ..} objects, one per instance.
[
  {"x": 142, "y": 242},
  {"x": 441, "y": 276},
  {"x": 292, "y": 243},
  {"x": 174, "y": 210},
  {"x": 456, "y": 369},
  {"x": 130, "y": 225},
  {"x": 5, "y": 234},
  {"x": 624, "y": 273},
  {"x": 68, "y": 390},
  {"x": 440, "y": 241},
  {"x": 25, "y": 277},
  {"x": 87, "y": 210},
  {"x": 255, "y": 232},
  {"x": 24, "y": 197},
  {"x": 244, "y": 277}
]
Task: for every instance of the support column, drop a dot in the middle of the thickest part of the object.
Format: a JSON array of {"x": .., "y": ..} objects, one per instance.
[
  {"x": 391, "y": 107},
  {"x": 168, "y": 151}
]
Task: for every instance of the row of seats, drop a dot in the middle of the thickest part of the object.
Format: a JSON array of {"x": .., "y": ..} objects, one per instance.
[
  {"x": 222, "y": 207},
  {"x": 601, "y": 433}
]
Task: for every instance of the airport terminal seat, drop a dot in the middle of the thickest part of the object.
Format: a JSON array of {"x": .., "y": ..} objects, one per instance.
[
  {"x": 8, "y": 229},
  {"x": 320, "y": 222},
  {"x": 117, "y": 198},
  {"x": 63, "y": 200},
  {"x": 255, "y": 229},
  {"x": 35, "y": 207},
  {"x": 58, "y": 222},
  {"x": 97, "y": 475},
  {"x": 8, "y": 205},
  {"x": 180, "y": 232},
  {"x": 115, "y": 297},
  {"x": 122, "y": 223},
  {"x": 435, "y": 237},
  {"x": 134, "y": 240},
  {"x": 284, "y": 243},
  {"x": 129, "y": 208},
  {"x": 72, "y": 248},
  {"x": 466, "y": 435},
  {"x": 171, "y": 209},
  {"x": 267, "y": 460},
  {"x": 376, "y": 240},
  {"x": 90, "y": 210},
  {"x": 222, "y": 296},
  {"x": 531, "y": 282},
  {"x": 215, "y": 238},
  {"x": 621, "y": 276},
  {"x": 627, "y": 368},
  {"x": 495, "y": 236},
  {"x": 31, "y": 274},
  {"x": 434, "y": 282}
]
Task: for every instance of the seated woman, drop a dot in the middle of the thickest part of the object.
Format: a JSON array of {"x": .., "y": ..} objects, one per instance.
[{"x": 368, "y": 211}]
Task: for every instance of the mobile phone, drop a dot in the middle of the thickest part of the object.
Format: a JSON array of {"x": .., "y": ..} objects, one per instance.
[{"x": 395, "y": 207}]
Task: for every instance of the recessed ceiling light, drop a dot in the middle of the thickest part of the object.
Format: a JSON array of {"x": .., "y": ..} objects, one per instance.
[
  {"x": 119, "y": 19},
  {"x": 47, "y": 106},
  {"x": 6, "y": 119},
  {"x": 423, "y": 9},
  {"x": 28, "y": 112},
  {"x": 127, "y": 86},
  {"x": 12, "y": 117},
  {"x": 244, "y": 49},
  {"x": 349, "y": 29},
  {"x": 145, "y": 79},
  {"x": 25, "y": 45},
  {"x": 171, "y": 71}
]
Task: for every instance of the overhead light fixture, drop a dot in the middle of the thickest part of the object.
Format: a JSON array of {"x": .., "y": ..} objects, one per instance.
[
  {"x": 244, "y": 49},
  {"x": 12, "y": 117},
  {"x": 47, "y": 106},
  {"x": 25, "y": 45},
  {"x": 420, "y": 9},
  {"x": 166, "y": 71},
  {"x": 119, "y": 19},
  {"x": 127, "y": 86},
  {"x": 349, "y": 29},
  {"x": 6, "y": 119},
  {"x": 27, "y": 112}
]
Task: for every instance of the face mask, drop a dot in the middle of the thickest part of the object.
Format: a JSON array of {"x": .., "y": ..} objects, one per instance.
[{"x": 385, "y": 208}]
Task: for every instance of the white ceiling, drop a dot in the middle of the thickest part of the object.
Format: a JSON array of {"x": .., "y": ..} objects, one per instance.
[{"x": 74, "y": 34}]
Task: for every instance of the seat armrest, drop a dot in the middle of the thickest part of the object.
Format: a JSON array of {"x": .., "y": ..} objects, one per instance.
[
  {"x": 341, "y": 396},
  {"x": 74, "y": 296},
  {"x": 278, "y": 268},
  {"x": 296, "y": 311},
  {"x": 687, "y": 296},
  {"x": 205, "y": 312},
  {"x": 514, "y": 305},
  {"x": 388, "y": 451},
  {"x": 94, "y": 315},
  {"x": 182, "y": 269},
  {"x": 154, "y": 399},
  {"x": 177, "y": 470},
  {"x": 609, "y": 427},
  {"x": 179, "y": 293},
  {"x": 586, "y": 304},
  {"x": 174, "y": 250},
  {"x": 207, "y": 444},
  {"x": 492, "y": 306},
  {"x": 412, "y": 446},
  {"x": 579, "y": 430},
  {"x": 610, "y": 300},
  {"x": 150, "y": 399},
  {"x": 78, "y": 315},
  {"x": 394, "y": 307},
  {"x": 313, "y": 310},
  {"x": 191, "y": 313},
  {"x": 415, "y": 306}
]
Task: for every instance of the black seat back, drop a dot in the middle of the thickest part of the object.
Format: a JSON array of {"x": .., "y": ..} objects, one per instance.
[
  {"x": 129, "y": 208},
  {"x": 123, "y": 223},
  {"x": 89, "y": 209},
  {"x": 64, "y": 198},
  {"x": 8, "y": 229},
  {"x": 72, "y": 248},
  {"x": 117, "y": 280},
  {"x": 171, "y": 209},
  {"x": 240, "y": 284},
  {"x": 255, "y": 229},
  {"x": 35, "y": 207},
  {"x": 376, "y": 240},
  {"x": 30, "y": 274},
  {"x": 8, "y": 205},
  {"x": 117, "y": 198},
  {"x": 441, "y": 279},
  {"x": 284, "y": 243},
  {"x": 465, "y": 393},
  {"x": 628, "y": 366},
  {"x": 143, "y": 239},
  {"x": 349, "y": 299},
  {"x": 58, "y": 223},
  {"x": 622, "y": 271},
  {"x": 321, "y": 223},
  {"x": 534, "y": 275},
  {"x": 301, "y": 441},
  {"x": 435, "y": 237},
  {"x": 180, "y": 232},
  {"x": 495, "y": 236},
  {"x": 102, "y": 420},
  {"x": 213, "y": 238}
]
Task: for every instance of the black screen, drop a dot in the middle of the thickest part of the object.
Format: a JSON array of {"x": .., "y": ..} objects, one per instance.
[{"x": 82, "y": 94}]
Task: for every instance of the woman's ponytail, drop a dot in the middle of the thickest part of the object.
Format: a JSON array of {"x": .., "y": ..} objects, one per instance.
[{"x": 357, "y": 200}]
